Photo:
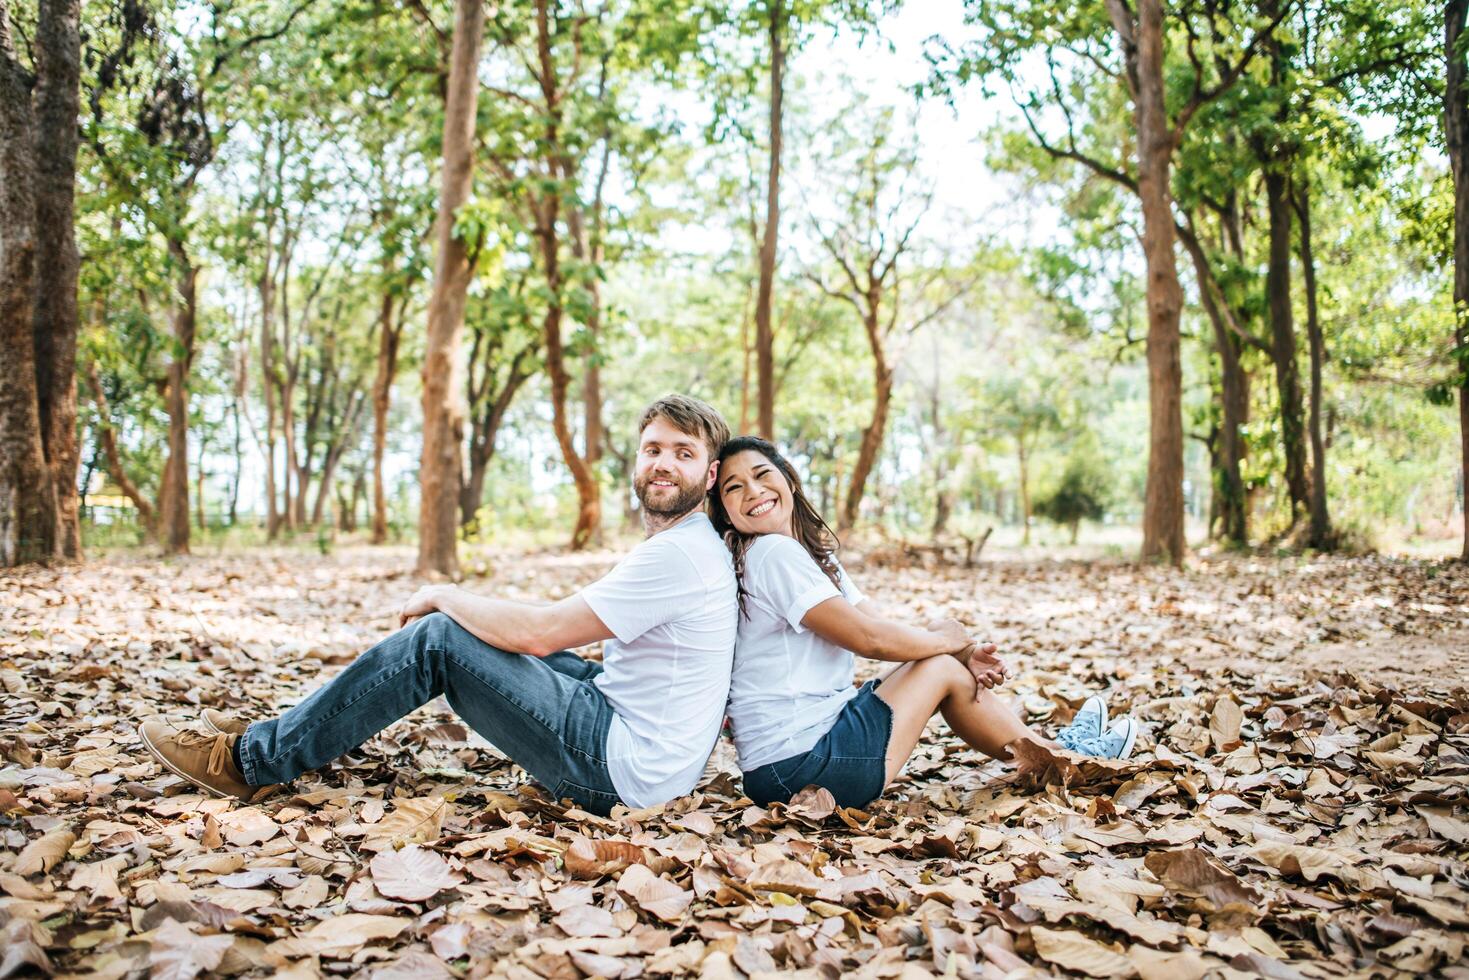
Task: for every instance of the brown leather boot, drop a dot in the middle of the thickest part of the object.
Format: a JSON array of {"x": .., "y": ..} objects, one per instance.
[
  {"x": 203, "y": 759},
  {"x": 217, "y": 722}
]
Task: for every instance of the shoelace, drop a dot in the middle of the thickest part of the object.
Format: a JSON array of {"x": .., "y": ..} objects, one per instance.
[
  {"x": 1071, "y": 738},
  {"x": 219, "y": 753}
]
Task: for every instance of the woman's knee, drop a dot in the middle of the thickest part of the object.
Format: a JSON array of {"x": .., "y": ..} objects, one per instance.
[{"x": 948, "y": 673}]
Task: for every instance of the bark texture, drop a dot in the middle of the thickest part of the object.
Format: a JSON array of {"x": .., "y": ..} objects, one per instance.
[
  {"x": 764, "y": 331},
  {"x": 443, "y": 407},
  {"x": 390, "y": 333},
  {"x": 547, "y": 214},
  {"x": 28, "y": 525},
  {"x": 174, "y": 493},
  {"x": 1456, "y": 122},
  {"x": 1283, "y": 342},
  {"x": 56, "y": 105},
  {"x": 1320, "y": 534},
  {"x": 1232, "y": 503},
  {"x": 1142, "y": 40}
]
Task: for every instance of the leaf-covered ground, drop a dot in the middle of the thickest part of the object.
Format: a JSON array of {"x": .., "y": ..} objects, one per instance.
[{"x": 1297, "y": 808}]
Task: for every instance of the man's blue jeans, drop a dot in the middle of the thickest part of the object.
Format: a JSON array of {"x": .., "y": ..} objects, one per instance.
[{"x": 543, "y": 712}]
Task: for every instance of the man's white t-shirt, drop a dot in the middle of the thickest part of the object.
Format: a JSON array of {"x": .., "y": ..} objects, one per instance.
[
  {"x": 671, "y": 605},
  {"x": 789, "y": 684}
]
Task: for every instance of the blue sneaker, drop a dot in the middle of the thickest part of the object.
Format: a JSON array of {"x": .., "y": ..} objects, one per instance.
[
  {"x": 1090, "y": 722},
  {"x": 1115, "y": 743}
]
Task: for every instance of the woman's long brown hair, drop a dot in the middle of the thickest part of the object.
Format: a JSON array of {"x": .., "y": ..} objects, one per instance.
[{"x": 807, "y": 526}]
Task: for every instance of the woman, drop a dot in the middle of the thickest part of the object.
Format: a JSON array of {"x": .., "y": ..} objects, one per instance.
[{"x": 797, "y": 719}]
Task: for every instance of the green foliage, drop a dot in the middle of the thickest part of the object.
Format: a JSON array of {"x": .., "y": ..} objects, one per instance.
[{"x": 1083, "y": 492}]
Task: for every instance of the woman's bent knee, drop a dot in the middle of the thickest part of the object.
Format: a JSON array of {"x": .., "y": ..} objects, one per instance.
[{"x": 948, "y": 672}]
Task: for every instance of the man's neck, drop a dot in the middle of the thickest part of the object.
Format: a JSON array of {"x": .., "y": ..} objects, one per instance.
[{"x": 653, "y": 523}]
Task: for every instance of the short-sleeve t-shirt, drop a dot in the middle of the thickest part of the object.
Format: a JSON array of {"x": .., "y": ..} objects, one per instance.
[
  {"x": 671, "y": 604},
  {"x": 789, "y": 684}
]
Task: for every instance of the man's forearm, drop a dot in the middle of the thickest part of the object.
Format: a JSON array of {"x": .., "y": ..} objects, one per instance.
[{"x": 514, "y": 627}]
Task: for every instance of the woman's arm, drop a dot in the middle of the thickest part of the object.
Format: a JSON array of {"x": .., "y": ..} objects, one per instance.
[{"x": 878, "y": 638}]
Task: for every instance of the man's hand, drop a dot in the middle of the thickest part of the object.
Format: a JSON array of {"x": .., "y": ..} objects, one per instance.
[
  {"x": 987, "y": 669},
  {"x": 953, "y": 631},
  {"x": 420, "y": 604}
]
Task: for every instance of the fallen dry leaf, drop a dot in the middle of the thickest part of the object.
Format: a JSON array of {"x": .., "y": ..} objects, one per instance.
[
  {"x": 44, "y": 853},
  {"x": 595, "y": 858},
  {"x": 413, "y": 874},
  {"x": 654, "y": 895}
]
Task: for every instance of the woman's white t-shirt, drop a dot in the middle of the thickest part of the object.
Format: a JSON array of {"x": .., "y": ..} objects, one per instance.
[
  {"x": 671, "y": 606},
  {"x": 789, "y": 684}
]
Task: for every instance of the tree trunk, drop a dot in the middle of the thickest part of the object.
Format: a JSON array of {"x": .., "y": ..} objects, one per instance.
[
  {"x": 589, "y": 497},
  {"x": 1283, "y": 340},
  {"x": 382, "y": 393},
  {"x": 28, "y": 524},
  {"x": 199, "y": 516},
  {"x": 56, "y": 98},
  {"x": 1321, "y": 537},
  {"x": 882, "y": 392},
  {"x": 174, "y": 494},
  {"x": 268, "y": 386},
  {"x": 1163, "y": 508},
  {"x": 443, "y": 408},
  {"x": 1456, "y": 116},
  {"x": 147, "y": 516},
  {"x": 764, "y": 335},
  {"x": 485, "y": 422},
  {"x": 238, "y": 396},
  {"x": 1234, "y": 406},
  {"x": 942, "y": 503},
  {"x": 1023, "y": 458}
]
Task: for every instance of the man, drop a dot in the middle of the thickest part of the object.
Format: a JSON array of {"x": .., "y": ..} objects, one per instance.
[{"x": 636, "y": 729}]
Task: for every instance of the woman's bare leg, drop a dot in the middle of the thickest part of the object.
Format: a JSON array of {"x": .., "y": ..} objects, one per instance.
[{"x": 916, "y": 690}]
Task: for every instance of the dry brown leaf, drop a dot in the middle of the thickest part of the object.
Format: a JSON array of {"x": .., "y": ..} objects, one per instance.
[
  {"x": 43, "y": 853},
  {"x": 312, "y": 891},
  {"x": 587, "y": 920},
  {"x": 177, "y": 952},
  {"x": 99, "y": 878},
  {"x": 344, "y": 934},
  {"x": 1292, "y": 859},
  {"x": 1073, "y": 951},
  {"x": 1224, "y": 725},
  {"x": 587, "y": 858},
  {"x": 412, "y": 821},
  {"x": 654, "y": 895},
  {"x": 248, "y": 825},
  {"x": 21, "y": 943},
  {"x": 1193, "y": 872},
  {"x": 790, "y": 877},
  {"x": 413, "y": 874}
]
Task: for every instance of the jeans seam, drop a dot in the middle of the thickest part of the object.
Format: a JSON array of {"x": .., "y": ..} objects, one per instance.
[
  {"x": 525, "y": 709},
  {"x": 343, "y": 708}
]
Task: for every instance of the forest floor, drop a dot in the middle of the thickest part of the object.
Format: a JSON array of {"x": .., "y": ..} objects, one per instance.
[{"x": 1298, "y": 807}]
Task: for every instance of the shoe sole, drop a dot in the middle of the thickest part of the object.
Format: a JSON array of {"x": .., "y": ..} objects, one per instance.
[
  {"x": 179, "y": 772},
  {"x": 1131, "y": 739}
]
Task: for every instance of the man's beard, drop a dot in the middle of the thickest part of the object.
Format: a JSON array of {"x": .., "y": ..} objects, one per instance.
[{"x": 689, "y": 495}]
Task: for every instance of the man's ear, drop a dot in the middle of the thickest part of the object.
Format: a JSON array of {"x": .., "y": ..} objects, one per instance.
[{"x": 713, "y": 476}]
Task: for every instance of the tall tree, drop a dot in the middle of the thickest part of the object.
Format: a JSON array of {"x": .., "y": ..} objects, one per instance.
[
  {"x": 443, "y": 405},
  {"x": 28, "y": 518},
  {"x": 1133, "y": 48},
  {"x": 778, "y": 21},
  {"x": 57, "y": 100},
  {"x": 1456, "y": 129}
]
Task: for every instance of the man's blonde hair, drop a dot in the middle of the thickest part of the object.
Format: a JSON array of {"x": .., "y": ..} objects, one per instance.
[{"x": 690, "y": 416}]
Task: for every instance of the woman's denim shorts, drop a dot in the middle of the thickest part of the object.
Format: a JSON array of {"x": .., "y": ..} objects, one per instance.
[{"x": 850, "y": 761}]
